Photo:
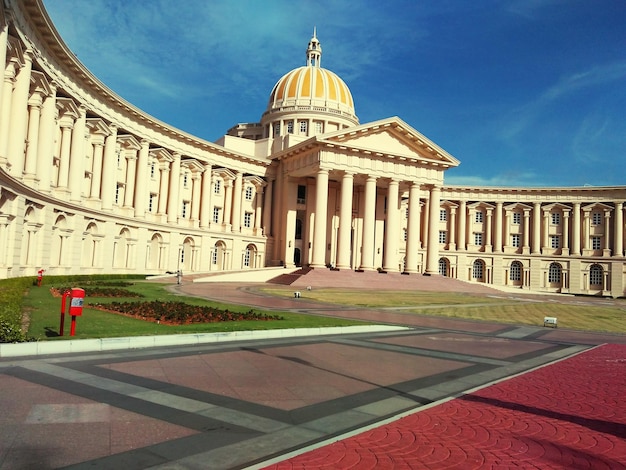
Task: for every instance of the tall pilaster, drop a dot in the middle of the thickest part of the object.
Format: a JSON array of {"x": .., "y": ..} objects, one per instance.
[
  {"x": 536, "y": 241},
  {"x": 369, "y": 224},
  {"x": 452, "y": 231},
  {"x": 345, "y": 221},
  {"x": 4, "y": 34},
  {"x": 196, "y": 197},
  {"x": 576, "y": 229},
  {"x": 64, "y": 157},
  {"x": 164, "y": 169},
  {"x": 391, "y": 227},
  {"x": 565, "y": 247},
  {"x": 462, "y": 226},
  {"x": 5, "y": 108},
  {"x": 267, "y": 208},
  {"x": 46, "y": 140},
  {"x": 619, "y": 229},
  {"x": 321, "y": 213},
  {"x": 109, "y": 182},
  {"x": 258, "y": 211},
  {"x": 205, "y": 206},
  {"x": 497, "y": 239},
  {"x": 489, "y": 234},
  {"x": 586, "y": 230},
  {"x": 77, "y": 155},
  {"x": 96, "y": 175},
  {"x": 18, "y": 121},
  {"x": 526, "y": 232},
  {"x": 34, "y": 115},
  {"x": 173, "y": 202},
  {"x": 228, "y": 203},
  {"x": 413, "y": 229},
  {"x": 237, "y": 202},
  {"x": 432, "y": 251},
  {"x": 131, "y": 171},
  {"x": 141, "y": 190}
]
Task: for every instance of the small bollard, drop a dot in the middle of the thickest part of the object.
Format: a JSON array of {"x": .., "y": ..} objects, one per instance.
[{"x": 296, "y": 295}]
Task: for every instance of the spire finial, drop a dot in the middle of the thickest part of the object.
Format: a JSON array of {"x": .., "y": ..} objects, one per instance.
[{"x": 314, "y": 51}]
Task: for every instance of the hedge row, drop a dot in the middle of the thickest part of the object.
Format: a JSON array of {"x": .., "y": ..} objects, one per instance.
[{"x": 12, "y": 293}]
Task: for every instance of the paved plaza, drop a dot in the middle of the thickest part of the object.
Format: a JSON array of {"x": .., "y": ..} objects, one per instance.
[{"x": 419, "y": 392}]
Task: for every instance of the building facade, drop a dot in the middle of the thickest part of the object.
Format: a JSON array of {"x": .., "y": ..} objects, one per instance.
[{"x": 91, "y": 184}]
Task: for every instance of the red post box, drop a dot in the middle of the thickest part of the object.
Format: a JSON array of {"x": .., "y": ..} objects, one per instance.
[
  {"x": 77, "y": 298},
  {"x": 39, "y": 277}
]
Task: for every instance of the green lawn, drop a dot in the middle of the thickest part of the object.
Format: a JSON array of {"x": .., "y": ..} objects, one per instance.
[
  {"x": 475, "y": 307},
  {"x": 44, "y": 312}
]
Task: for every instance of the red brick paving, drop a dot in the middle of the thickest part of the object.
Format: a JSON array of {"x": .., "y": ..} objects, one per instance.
[{"x": 569, "y": 415}]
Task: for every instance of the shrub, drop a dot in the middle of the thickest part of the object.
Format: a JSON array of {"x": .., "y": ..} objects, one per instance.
[{"x": 11, "y": 299}]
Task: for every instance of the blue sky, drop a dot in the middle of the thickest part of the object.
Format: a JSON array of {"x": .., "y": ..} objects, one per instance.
[{"x": 522, "y": 92}]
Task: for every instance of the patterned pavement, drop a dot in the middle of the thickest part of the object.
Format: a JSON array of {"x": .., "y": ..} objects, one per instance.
[{"x": 444, "y": 393}]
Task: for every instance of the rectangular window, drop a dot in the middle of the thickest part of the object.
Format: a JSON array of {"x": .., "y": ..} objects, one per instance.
[
  {"x": 152, "y": 170},
  {"x": 479, "y": 217},
  {"x": 276, "y": 129},
  {"x": 118, "y": 192},
  {"x": 218, "y": 187},
  {"x": 246, "y": 258},
  {"x": 442, "y": 236},
  {"x": 290, "y": 127},
  {"x": 596, "y": 218},
  {"x": 318, "y": 127},
  {"x": 216, "y": 215},
  {"x": 596, "y": 243},
  {"x": 214, "y": 255},
  {"x": 443, "y": 215},
  {"x": 301, "y": 194},
  {"x": 151, "y": 202},
  {"x": 184, "y": 209},
  {"x": 556, "y": 218},
  {"x": 478, "y": 239},
  {"x": 406, "y": 213},
  {"x": 555, "y": 241},
  {"x": 404, "y": 232},
  {"x": 517, "y": 218},
  {"x": 249, "y": 193},
  {"x": 247, "y": 219},
  {"x": 515, "y": 240},
  {"x": 185, "y": 180},
  {"x": 303, "y": 127}
]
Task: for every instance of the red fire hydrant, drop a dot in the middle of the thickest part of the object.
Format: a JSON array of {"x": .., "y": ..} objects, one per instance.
[{"x": 39, "y": 277}]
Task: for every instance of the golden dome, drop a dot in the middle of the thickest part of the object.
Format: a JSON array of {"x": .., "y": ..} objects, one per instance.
[{"x": 311, "y": 88}]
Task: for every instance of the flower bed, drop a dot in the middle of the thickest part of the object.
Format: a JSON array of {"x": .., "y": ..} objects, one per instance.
[
  {"x": 91, "y": 291},
  {"x": 180, "y": 313}
]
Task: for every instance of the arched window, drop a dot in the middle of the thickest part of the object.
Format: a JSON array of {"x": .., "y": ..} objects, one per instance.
[
  {"x": 478, "y": 269},
  {"x": 515, "y": 273},
  {"x": 595, "y": 276},
  {"x": 554, "y": 273},
  {"x": 443, "y": 266}
]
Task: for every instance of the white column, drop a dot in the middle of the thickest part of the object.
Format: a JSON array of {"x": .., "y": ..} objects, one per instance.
[
  {"x": 462, "y": 226},
  {"x": 546, "y": 230},
  {"x": 432, "y": 252},
  {"x": 34, "y": 116},
  {"x": 164, "y": 168},
  {"x": 497, "y": 242},
  {"x": 4, "y": 34},
  {"x": 267, "y": 209},
  {"x": 345, "y": 221},
  {"x": 173, "y": 202},
  {"x": 391, "y": 230},
  {"x": 17, "y": 123},
  {"x": 319, "y": 229},
  {"x": 413, "y": 229},
  {"x": 228, "y": 203},
  {"x": 5, "y": 109},
  {"x": 45, "y": 153},
  {"x": 258, "y": 210},
  {"x": 526, "y": 232},
  {"x": 576, "y": 230},
  {"x": 452, "y": 231},
  {"x": 369, "y": 224},
  {"x": 196, "y": 198},
  {"x": 64, "y": 157},
  {"x": 131, "y": 171},
  {"x": 489, "y": 236},
  {"x": 565, "y": 247},
  {"x": 96, "y": 175},
  {"x": 143, "y": 170},
  {"x": 536, "y": 241},
  {"x": 77, "y": 155},
  {"x": 586, "y": 230},
  {"x": 607, "y": 231},
  {"x": 205, "y": 207},
  {"x": 109, "y": 183},
  {"x": 237, "y": 202},
  {"x": 619, "y": 229}
]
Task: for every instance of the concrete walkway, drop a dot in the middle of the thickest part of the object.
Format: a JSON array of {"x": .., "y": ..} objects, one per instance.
[{"x": 469, "y": 395}]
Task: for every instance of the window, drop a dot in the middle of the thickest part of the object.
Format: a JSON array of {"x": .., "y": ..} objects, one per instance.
[
  {"x": 477, "y": 269},
  {"x": 301, "y": 194},
  {"x": 595, "y": 275},
  {"x": 515, "y": 274},
  {"x": 249, "y": 193},
  {"x": 185, "y": 179},
  {"x": 118, "y": 192},
  {"x": 404, "y": 236},
  {"x": 246, "y": 258},
  {"x": 119, "y": 158},
  {"x": 318, "y": 127},
  {"x": 596, "y": 218},
  {"x": 247, "y": 219},
  {"x": 152, "y": 169},
  {"x": 556, "y": 218},
  {"x": 276, "y": 129},
  {"x": 517, "y": 218},
  {"x": 555, "y": 241},
  {"x": 515, "y": 240},
  {"x": 290, "y": 127},
  {"x": 596, "y": 243},
  {"x": 216, "y": 214},
  {"x": 443, "y": 266},
  {"x": 184, "y": 209},
  {"x": 151, "y": 202},
  {"x": 303, "y": 127},
  {"x": 218, "y": 187},
  {"x": 214, "y": 255},
  {"x": 442, "y": 236},
  {"x": 443, "y": 215},
  {"x": 554, "y": 273},
  {"x": 478, "y": 239},
  {"x": 406, "y": 213},
  {"x": 479, "y": 217}
]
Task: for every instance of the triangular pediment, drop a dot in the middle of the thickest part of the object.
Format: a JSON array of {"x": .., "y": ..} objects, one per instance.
[{"x": 393, "y": 138}]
